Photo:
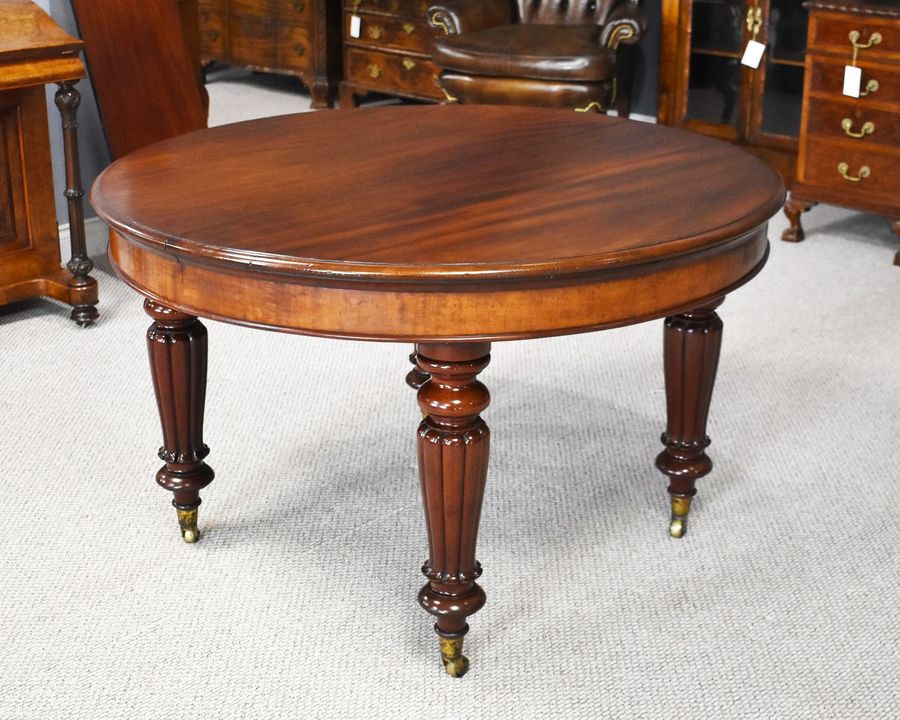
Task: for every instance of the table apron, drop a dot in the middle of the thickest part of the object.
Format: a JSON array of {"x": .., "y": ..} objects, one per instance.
[{"x": 369, "y": 311}]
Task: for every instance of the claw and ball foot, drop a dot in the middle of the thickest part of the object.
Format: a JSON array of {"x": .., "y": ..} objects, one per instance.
[
  {"x": 681, "y": 506},
  {"x": 187, "y": 521},
  {"x": 455, "y": 663}
]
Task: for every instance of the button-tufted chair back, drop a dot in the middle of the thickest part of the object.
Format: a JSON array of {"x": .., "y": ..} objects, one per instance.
[{"x": 566, "y": 12}]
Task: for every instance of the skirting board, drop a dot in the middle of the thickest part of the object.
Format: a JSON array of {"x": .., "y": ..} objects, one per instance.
[{"x": 96, "y": 236}]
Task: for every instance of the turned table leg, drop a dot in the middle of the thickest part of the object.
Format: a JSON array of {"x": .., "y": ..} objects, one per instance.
[
  {"x": 177, "y": 346},
  {"x": 415, "y": 378},
  {"x": 82, "y": 287},
  {"x": 793, "y": 209},
  {"x": 453, "y": 445},
  {"x": 691, "y": 346}
]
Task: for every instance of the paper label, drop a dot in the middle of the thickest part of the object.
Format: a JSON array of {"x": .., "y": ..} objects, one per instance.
[
  {"x": 355, "y": 26},
  {"x": 852, "y": 81},
  {"x": 753, "y": 54}
]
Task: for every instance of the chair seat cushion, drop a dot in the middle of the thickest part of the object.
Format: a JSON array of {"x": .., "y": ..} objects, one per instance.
[{"x": 540, "y": 52}]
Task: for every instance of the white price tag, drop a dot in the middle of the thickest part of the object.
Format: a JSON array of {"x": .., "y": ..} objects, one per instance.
[
  {"x": 852, "y": 81},
  {"x": 753, "y": 54},
  {"x": 355, "y": 26}
]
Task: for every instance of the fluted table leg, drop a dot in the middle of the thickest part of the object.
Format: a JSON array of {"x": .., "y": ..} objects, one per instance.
[
  {"x": 691, "y": 347},
  {"x": 453, "y": 444},
  {"x": 177, "y": 347}
]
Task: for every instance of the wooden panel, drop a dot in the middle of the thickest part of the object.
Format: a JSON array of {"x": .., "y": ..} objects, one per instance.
[
  {"x": 824, "y": 155},
  {"x": 392, "y": 73},
  {"x": 826, "y": 118},
  {"x": 413, "y": 9},
  {"x": 294, "y": 48},
  {"x": 830, "y": 32},
  {"x": 391, "y": 32},
  {"x": 144, "y": 79},
  {"x": 253, "y": 40},
  {"x": 826, "y": 78},
  {"x": 294, "y": 12}
]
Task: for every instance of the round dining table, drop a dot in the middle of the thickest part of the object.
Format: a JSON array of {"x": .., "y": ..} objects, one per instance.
[{"x": 451, "y": 228}]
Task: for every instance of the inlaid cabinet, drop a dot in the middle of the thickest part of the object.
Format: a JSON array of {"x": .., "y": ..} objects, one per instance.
[
  {"x": 705, "y": 88},
  {"x": 294, "y": 37},
  {"x": 388, "y": 49},
  {"x": 850, "y": 146}
]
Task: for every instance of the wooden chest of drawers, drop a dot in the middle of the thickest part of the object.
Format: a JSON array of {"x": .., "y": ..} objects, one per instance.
[
  {"x": 295, "y": 37},
  {"x": 391, "y": 53},
  {"x": 850, "y": 147}
]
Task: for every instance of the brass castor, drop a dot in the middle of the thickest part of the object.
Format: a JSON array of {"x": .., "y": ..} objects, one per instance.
[
  {"x": 187, "y": 520},
  {"x": 681, "y": 506},
  {"x": 455, "y": 663}
]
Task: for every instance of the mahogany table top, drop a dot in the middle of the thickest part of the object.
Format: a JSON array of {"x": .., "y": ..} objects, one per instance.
[{"x": 472, "y": 199}]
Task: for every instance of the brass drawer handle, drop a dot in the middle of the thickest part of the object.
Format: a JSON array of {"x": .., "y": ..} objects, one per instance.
[
  {"x": 374, "y": 71},
  {"x": 375, "y": 32},
  {"x": 754, "y": 20},
  {"x": 408, "y": 28},
  {"x": 843, "y": 169},
  {"x": 847, "y": 126},
  {"x": 871, "y": 86},
  {"x": 299, "y": 5},
  {"x": 408, "y": 64},
  {"x": 874, "y": 39}
]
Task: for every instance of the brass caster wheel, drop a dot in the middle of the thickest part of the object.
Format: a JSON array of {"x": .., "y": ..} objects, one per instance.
[
  {"x": 681, "y": 505},
  {"x": 455, "y": 663},
  {"x": 187, "y": 520}
]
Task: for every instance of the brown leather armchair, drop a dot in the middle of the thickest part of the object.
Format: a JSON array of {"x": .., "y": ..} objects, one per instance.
[{"x": 550, "y": 53}]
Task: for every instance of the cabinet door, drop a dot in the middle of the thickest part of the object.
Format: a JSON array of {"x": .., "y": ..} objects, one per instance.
[
  {"x": 777, "y": 86},
  {"x": 714, "y": 85}
]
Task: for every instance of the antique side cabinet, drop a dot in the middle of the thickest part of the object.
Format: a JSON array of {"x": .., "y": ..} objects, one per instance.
[
  {"x": 34, "y": 51},
  {"x": 850, "y": 143},
  {"x": 293, "y": 37},
  {"x": 704, "y": 87}
]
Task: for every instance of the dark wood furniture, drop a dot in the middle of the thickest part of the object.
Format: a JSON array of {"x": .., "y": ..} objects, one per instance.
[
  {"x": 574, "y": 55},
  {"x": 850, "y": 147},
  {"x": 34, "y": 51},
  {"x": 703, "y": 86},
  {"x": 446, "y": 237},
  {"x": 291, "y": 37},
  {"x": 392, "y": 53},
  {"x": 144, "y": 78}
]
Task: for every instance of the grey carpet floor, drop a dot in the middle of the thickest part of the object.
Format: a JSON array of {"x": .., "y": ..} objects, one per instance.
[{"x": 782, "y": 602}]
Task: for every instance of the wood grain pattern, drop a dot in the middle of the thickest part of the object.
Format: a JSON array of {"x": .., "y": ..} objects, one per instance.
[{"x": 29, "y": 33}]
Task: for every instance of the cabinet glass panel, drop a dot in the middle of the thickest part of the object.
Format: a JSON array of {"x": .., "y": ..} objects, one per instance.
[
  {"x": 717, "y": 25},
  {"x": 787, "y": 31},
  {"x": 782, "y": 97},
  {"x": 714, "y": 89}
]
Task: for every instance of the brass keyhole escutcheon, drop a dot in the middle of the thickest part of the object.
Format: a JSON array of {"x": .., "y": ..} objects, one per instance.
[
  {"x": 409, "y": 64},
  {"x": 408, "y": 28},
  {"x": 374, "y": 71},
  {"x": 299, "y": 49},
  {"x": 867, "y": 129},
  {"x": 375, "y": 32},
  {"x": 844, "y": 170}
]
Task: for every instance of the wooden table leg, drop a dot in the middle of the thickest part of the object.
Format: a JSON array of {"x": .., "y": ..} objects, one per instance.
[
  {"x": 453, "y": 445},
  {"x": 415, "y": 378},
  {"x": 82, "y": 287},
  {"x": 691, "y": 347},
  {"x": 794, "y": 207},
  {"x": 176, "y": 343}
]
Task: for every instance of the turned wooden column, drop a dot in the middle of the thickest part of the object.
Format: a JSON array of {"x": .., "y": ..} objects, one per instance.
[
  {"x": 415, "y": 378},
  {"x": 691, "y": 346},
  {"x": 177, "y": 347},
  {"x": 83, "y": 288},
  {"x": 453, "y": 457}
]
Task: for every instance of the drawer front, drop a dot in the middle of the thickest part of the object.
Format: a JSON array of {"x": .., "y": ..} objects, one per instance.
[
  {"x": 854, "y": 122},
  {"x": 252, "y": 40},
  {"x": 821, "y": 168},
  {"x": 412, "y": 9},
  {"x": 212, "y": 33},
  {"x": 295, "y": 50},
  {"x": 831, "y": 32},
  {"x": 398, "y": 33},
  {"x": 392, "y": 73},
  {"x": 257, "y": 8},
  {"x": 826, "y": 77},
  {"x": 294, "y": 12}
]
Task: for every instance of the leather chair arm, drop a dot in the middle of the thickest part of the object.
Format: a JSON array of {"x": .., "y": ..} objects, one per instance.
[
  {"x": 453, "y": 17},
  {"x": 624, "y": 26}
]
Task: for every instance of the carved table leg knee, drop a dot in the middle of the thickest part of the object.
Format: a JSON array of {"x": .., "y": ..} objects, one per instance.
[
  {"x": 177, "y": 346},
  {"x": 691, "y": 348},
  {"x": 82, "y": 287},
  {"x": 453, "y": 445},
  {"x": 793, "y": 208}
]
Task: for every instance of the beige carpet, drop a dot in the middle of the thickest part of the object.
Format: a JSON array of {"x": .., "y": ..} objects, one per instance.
[{"x": 782, "y": 602}]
